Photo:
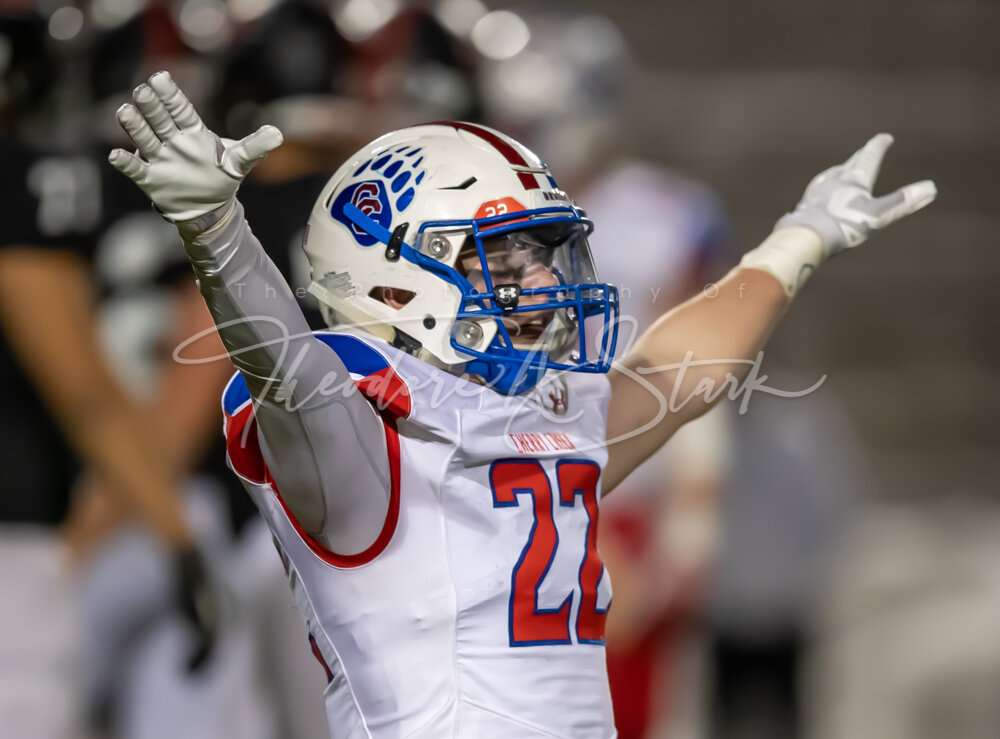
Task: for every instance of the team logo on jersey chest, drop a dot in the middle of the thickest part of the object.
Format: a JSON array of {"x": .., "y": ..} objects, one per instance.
[
  {"x": 557, "y": 397},
  {"x": 553, "y": 395}
]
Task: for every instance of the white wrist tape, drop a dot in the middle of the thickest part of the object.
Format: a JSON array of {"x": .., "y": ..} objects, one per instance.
[
  {"x": 790, "y": 254},
  {"x": 200, "y": 230}
]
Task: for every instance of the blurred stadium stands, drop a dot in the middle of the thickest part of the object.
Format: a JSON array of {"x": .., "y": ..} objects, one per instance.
[{"x": 752, "y": 98}]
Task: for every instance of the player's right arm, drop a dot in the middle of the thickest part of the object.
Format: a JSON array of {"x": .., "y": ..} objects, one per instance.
[{"x": 191, "y": 176}]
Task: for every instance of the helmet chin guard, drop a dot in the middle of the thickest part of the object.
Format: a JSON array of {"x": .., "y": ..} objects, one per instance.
[{"x": 453, "y": 242}]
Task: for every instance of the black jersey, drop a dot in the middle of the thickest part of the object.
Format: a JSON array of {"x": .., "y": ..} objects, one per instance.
[
  {"x": 277, "y": 214},
  {"x": 141, "y": 261},
  {"x": 47, "y": 202}
]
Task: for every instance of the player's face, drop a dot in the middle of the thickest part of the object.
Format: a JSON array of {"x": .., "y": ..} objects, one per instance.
[{"x": 515, "y": 258}]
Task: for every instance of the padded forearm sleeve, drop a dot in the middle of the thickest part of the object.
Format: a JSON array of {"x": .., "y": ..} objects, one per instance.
[{"x": 286, "y": 367}]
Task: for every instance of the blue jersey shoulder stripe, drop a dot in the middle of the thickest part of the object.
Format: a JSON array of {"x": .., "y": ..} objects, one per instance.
[
  {"x": 358, "y": 356},
  {"x": 235, "y": 394}
]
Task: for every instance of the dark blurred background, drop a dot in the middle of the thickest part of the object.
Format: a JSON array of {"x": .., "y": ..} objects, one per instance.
[{"x": 753, "y": 97}]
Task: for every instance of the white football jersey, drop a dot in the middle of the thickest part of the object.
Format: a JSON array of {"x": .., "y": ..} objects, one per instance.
[{"x": 479, "y": 610}]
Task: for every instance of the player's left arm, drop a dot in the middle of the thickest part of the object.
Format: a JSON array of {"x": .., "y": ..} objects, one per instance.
[{"x": 667, "y": 378}]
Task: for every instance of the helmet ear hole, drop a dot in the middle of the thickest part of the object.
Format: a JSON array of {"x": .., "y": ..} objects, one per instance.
[{"x": 394, "y": 297}]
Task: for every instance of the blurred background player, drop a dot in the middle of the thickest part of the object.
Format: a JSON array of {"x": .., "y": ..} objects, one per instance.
[
  {"x": 60, "y": 408},
  {"x": 564, "y": 93},
  {"x": 263, "y": 681},
  {"x": 144, "y": 312},
  {"x": 796, "y": 475}
]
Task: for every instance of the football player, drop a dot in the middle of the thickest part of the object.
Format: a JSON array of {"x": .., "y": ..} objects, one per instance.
[{"x": 432, "y": 469}]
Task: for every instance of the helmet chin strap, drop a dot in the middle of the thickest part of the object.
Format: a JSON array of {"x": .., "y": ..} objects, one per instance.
[{"x": 393, "y": 240}]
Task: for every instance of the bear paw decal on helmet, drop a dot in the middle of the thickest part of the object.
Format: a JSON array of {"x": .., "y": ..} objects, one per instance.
[{"x": 401, "y": 173}]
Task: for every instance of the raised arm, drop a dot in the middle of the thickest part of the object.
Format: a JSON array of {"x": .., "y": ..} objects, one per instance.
[
  {"x": 192, "y": 175},
  {"x": 696, "y": 352}
]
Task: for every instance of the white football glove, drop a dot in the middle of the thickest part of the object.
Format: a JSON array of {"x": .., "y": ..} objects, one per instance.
[
  {"x": 837, "y": 212},
  {"x": 838, "y": 204},
  {"x": 184, "y": 168}
]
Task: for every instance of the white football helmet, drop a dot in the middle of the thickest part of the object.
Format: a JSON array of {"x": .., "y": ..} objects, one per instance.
[{"x": 453, "y": 242}]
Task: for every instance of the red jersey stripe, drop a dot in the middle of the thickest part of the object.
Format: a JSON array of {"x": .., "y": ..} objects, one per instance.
[{"x": 389, "y": 396}]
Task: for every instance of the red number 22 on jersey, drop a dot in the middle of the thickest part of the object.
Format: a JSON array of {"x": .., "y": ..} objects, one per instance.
[{"x": 529, "y": 624}]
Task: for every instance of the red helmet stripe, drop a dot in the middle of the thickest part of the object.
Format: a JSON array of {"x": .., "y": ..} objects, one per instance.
[{"x": 509, "y": 153}]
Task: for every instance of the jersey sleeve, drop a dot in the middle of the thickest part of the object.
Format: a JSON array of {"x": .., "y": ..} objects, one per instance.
[
  {"x": 306, "y": 410},
  {"x": 386, "y": 392},
  {"x": 387, "y": 396}
]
